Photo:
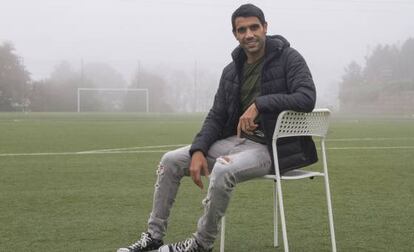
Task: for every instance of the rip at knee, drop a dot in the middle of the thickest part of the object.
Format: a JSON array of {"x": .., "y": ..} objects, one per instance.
[
  {"x": 205, "y": 201},
  {"x": 168, "y": 171},
  {"x": 160, "y": 170},
  {"x": 224, "y": 160},
  {"x": 222, "y": 180}
]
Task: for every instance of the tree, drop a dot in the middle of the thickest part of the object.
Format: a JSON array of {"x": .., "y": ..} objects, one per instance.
[
  {"x": 186, "y": 91},
  {"x": 59, "y": 91},
  {"x": 14, "y": 80},
  {"x": 382, "y": 64},
  {"x": 384, "y": 84},
  {"x": 352, "y": 80},
  {"x": 157, "y": 88},
  {"x": 406, "y": 60},
  {"x": 103, "y": 75},
  {"x": 181, "y": 91}
]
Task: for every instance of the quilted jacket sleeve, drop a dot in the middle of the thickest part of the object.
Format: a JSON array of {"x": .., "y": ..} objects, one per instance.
[
  {"x": 213, "y": 124},
  {"x": 301, "y": 94}
]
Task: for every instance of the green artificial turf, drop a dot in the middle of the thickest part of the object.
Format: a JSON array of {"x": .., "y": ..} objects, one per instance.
[{"x": 56, "y": 197}]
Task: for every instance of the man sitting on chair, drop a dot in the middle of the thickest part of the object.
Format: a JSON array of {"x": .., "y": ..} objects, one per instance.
[{"x": 265, "y": 77}]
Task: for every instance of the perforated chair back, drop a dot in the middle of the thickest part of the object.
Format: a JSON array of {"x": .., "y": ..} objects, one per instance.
[{"x": 291, "y": 123}]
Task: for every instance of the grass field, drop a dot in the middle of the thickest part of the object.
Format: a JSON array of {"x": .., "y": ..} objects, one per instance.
[{"x": 84, "y": 182}]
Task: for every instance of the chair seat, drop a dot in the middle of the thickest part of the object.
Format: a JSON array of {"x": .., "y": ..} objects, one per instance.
[{"x": 296, "y": 174}]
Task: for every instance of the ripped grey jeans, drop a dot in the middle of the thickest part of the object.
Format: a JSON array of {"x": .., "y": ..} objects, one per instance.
[{"x": 231, "y": 161}]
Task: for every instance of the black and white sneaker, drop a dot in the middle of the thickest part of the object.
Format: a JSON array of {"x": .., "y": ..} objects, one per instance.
[
  {"x": 189, "y": 245},
  {"x": 145, "y": 243}
]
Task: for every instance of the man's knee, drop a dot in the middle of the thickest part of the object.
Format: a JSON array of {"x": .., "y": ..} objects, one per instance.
[
  {"x": 221, "y": 177},
  {"x": 172, "y": 162}
]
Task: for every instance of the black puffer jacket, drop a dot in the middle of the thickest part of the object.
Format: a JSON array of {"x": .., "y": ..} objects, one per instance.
[{"x": 286, "y": 85}]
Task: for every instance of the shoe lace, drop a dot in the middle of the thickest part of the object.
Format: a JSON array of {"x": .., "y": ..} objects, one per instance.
[
  {"x": 189, "y": 245},
  {"x": 142, "y": 242}
]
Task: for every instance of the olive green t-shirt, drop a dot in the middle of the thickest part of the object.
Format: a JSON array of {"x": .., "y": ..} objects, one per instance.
[
  {"x": 249, "y": 91},
  {"x": 251, "y": 83}
]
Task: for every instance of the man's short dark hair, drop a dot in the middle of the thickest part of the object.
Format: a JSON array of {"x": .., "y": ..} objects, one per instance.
[{"x": 247, "y": 10}]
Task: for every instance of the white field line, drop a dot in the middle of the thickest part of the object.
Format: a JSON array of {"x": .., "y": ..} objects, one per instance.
[
  {"x": 163, "y": 151},
  {"x": 368, "y": 139},
  {"x": 148, "y": 149},
  {"x": 135, "y": 148},
  {"x": 372, "y": 148},
  {"x": 79, "y": 153}
]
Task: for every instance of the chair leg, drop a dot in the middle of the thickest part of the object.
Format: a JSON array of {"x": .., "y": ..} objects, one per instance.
[
  {"x": 282, "y": 216},
  {"x": 330, "y": 215},
  {"x": 222, "y": 233},
  {"x": 275, "y": 217},
  {"x": 328, "y": 198}
]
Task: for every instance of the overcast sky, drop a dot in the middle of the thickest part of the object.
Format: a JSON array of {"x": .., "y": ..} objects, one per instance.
[{"x": 176, "y": 33}]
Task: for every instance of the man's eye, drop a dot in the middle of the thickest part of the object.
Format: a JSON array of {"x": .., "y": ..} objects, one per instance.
[
  {"x": 241, "y": 30},
  {"x": 254, "y": 27}
]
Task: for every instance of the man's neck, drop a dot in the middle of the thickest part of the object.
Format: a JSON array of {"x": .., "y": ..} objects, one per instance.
[{"x": 253, "y": 57}]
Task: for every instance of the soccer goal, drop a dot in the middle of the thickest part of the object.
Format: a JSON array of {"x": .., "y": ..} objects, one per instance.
[{"x": 113, "y": 99}]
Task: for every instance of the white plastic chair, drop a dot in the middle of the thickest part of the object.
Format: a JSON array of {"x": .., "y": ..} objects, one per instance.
[{"x": 291, "y": 123}]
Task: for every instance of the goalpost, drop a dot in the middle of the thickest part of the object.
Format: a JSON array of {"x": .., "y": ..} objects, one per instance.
[{"x": 124, "y": 90}]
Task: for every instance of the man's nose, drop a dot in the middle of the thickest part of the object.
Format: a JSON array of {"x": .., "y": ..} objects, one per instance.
[{"x": 249, "y": 33}]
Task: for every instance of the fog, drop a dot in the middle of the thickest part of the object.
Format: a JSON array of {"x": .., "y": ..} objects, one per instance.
[{"x": 195, "y": 36}]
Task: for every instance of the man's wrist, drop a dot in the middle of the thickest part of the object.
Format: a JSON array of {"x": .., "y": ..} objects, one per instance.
[
  {"x": 255, "y": 107},
  {"x": 198, "y": 152}
]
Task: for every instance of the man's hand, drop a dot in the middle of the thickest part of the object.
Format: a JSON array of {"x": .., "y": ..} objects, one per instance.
[
  {"x": 198, "y": 164},
  {"x": 246, "y": 121}
]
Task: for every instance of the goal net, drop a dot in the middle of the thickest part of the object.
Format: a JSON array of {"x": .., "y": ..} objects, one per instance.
[{"x": 113, "y": 100}]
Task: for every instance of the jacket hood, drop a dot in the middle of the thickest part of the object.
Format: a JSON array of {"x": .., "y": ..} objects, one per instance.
[
  {"x": 273, "y": 43},
  {"x": 276, "y": 41}
]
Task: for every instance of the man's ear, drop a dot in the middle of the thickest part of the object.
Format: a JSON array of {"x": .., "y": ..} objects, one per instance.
[
  {"x": 234, "y": 34},
  {"x": 265, "y": 27}
]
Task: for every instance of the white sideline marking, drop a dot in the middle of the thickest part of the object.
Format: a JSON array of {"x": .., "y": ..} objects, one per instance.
[
  {"x": 368, "y": 139},
  {"x": 371, "y": 148},
  {"x": 135, "y": 148},
  {"x": 79, "y": 153},
  {"x": 163, "y": 151}
]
